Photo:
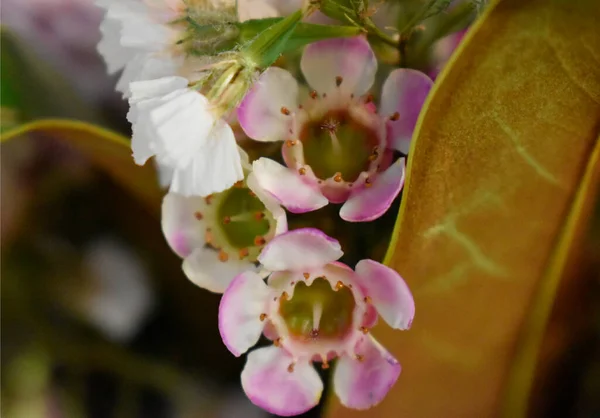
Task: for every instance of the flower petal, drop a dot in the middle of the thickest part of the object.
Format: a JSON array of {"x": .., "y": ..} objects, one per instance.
[
  {"x": 389, "y": 293},
  {"x": 287, "y": 187},
  {"x": 205, "y": 270},
  {"x": 184, "y": 230},
  {"x": 270, "y": 385},
  {"x": 404, "y": 92},
  {"x": 271, "y": 204},
  {"x": 363, "y": 384},
  {"x": 215, "y": 168},
  {"x": 349, "y": 58},
  {"x": 299, "y": 250},
  {"x": 368, "y": 203},
  {"x": 239, "y": 312},
  {"x": 260, "y": 113}
]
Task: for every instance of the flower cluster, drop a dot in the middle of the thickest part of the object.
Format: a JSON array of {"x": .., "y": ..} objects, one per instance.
[{"x": 190, "y": 83}]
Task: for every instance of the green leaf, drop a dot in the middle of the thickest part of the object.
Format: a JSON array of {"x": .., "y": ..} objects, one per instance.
[
  {"x": 107, "y": 150},
  {"x": 303, "y": 34},
  {"x": 502, "y": 171},
  {"x": 269, "y": 44}
]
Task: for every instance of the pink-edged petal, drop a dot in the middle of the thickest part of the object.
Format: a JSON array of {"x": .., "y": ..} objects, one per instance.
[
  {"x": 260, "y": 114},
  {"x": 289, "y": 189},
  {"x": 361, "y": 384},
  {"x": 271, "y": 204},
  {"x": 404, "y": 92},
  {"x": 299, "y": 250},
  {"x": 368, "y": 203},
  {"x": 270, "y": 385},
  {"x": 389, "y": 293},
  {"x": 349, "y": 58},
  {"x": 239, "y": 312},
  {"x": 183, "y": 229},
  {"x": 205, "y": 270}
]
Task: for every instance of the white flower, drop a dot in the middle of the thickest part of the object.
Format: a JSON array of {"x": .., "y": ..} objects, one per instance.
[
  {"x": 123, "y": 297},
  {"x": 222, "y": 235},
  {"x": 140, "y": 37},
  {"x": 177, "y": 124}
]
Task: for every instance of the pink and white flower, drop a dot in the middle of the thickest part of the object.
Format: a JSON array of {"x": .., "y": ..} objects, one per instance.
[
  {"x": 221, "y": 235},
  {"x": 337, "y": 147},
  {"x": 177, "y": 124},
  {"x": 314, "y": 309}
]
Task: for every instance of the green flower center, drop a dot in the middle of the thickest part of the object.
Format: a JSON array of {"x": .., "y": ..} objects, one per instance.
[
  {"x": 318, "y": 312},
  {"x": 244, "y": 218},
  {"x": 338, "y": 143}
]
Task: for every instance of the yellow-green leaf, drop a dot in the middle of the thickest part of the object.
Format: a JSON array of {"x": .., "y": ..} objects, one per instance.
[
  {"x": 496, "y": 186},
  {"x": 109, "y": 151}
]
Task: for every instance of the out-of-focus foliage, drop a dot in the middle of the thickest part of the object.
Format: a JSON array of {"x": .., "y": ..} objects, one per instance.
[
  {"x": 31, "y": 89},
  {"x": 107, "y": 150},
  {"x": 501, "y": 174}
]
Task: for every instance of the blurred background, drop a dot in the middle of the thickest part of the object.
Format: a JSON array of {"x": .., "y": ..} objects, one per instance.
[{"x": 97, "y": 318}]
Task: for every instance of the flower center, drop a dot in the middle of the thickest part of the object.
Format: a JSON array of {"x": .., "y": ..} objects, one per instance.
[
  {"x": 318, "y": 312},
  {"x": 338, "y": 143},
  {"x": 243, "y": 216}
]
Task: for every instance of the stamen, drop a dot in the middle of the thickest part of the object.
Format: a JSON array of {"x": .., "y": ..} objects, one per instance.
[
  {"x": 259, "y": 216},
  {"x": 338, "y": 80},
  {"x": 335, "y": 141},
  {"x": 239, "y": 184},
  {"x": 338, "y": 177},
  {"x": 291, "y": 142},
  {"x": 208, "y": 199},
  {"x": 223, "y": 256},
  {"x": 291, "y": 367},
  {"x": 302, "y": 171},
  {"x": 277, "y": 342},
  {"x": 285, "y": 110},
  {"x": 263, "y": 316},
  {"x": 314, "y": 94},
  {"x": 360, "y": 357},
  {"x": 367, "y": 299},
  {"x": 395, "y": 116},
  {"x": 258, "y": 241},
  {"x": 198, "y": 215},
  {"x": 317, "y": 312},
  {"x": 306, "y": 275},
  {"x": 339, "y": 285},
  {"x": 325, "y": 365},
  {"x": 243, "y": 253},
  {"x": 364, "y": 330},
  {"x": 284, "y": 295},
  {"x": 368, "y": 182}
]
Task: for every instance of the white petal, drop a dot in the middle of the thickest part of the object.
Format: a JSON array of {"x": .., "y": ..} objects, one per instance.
[
  {"x": 183, "y": 229},
  {"x": 271, "y": 204},
  {"x": 349, "y": 58},
  {"x": 363, "y": 384},
  {"x": 214, "y": 168},
  {"x": 299, "y": 250},
  {"x": 240, "y": 309},
  {"x": 205, "y": 270},
  {"x": 389, "y": 293},
  {"x": 270, "y": 385},
  {"x": 287, "y": 187},
  {"x": 260, "y": 113}
]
